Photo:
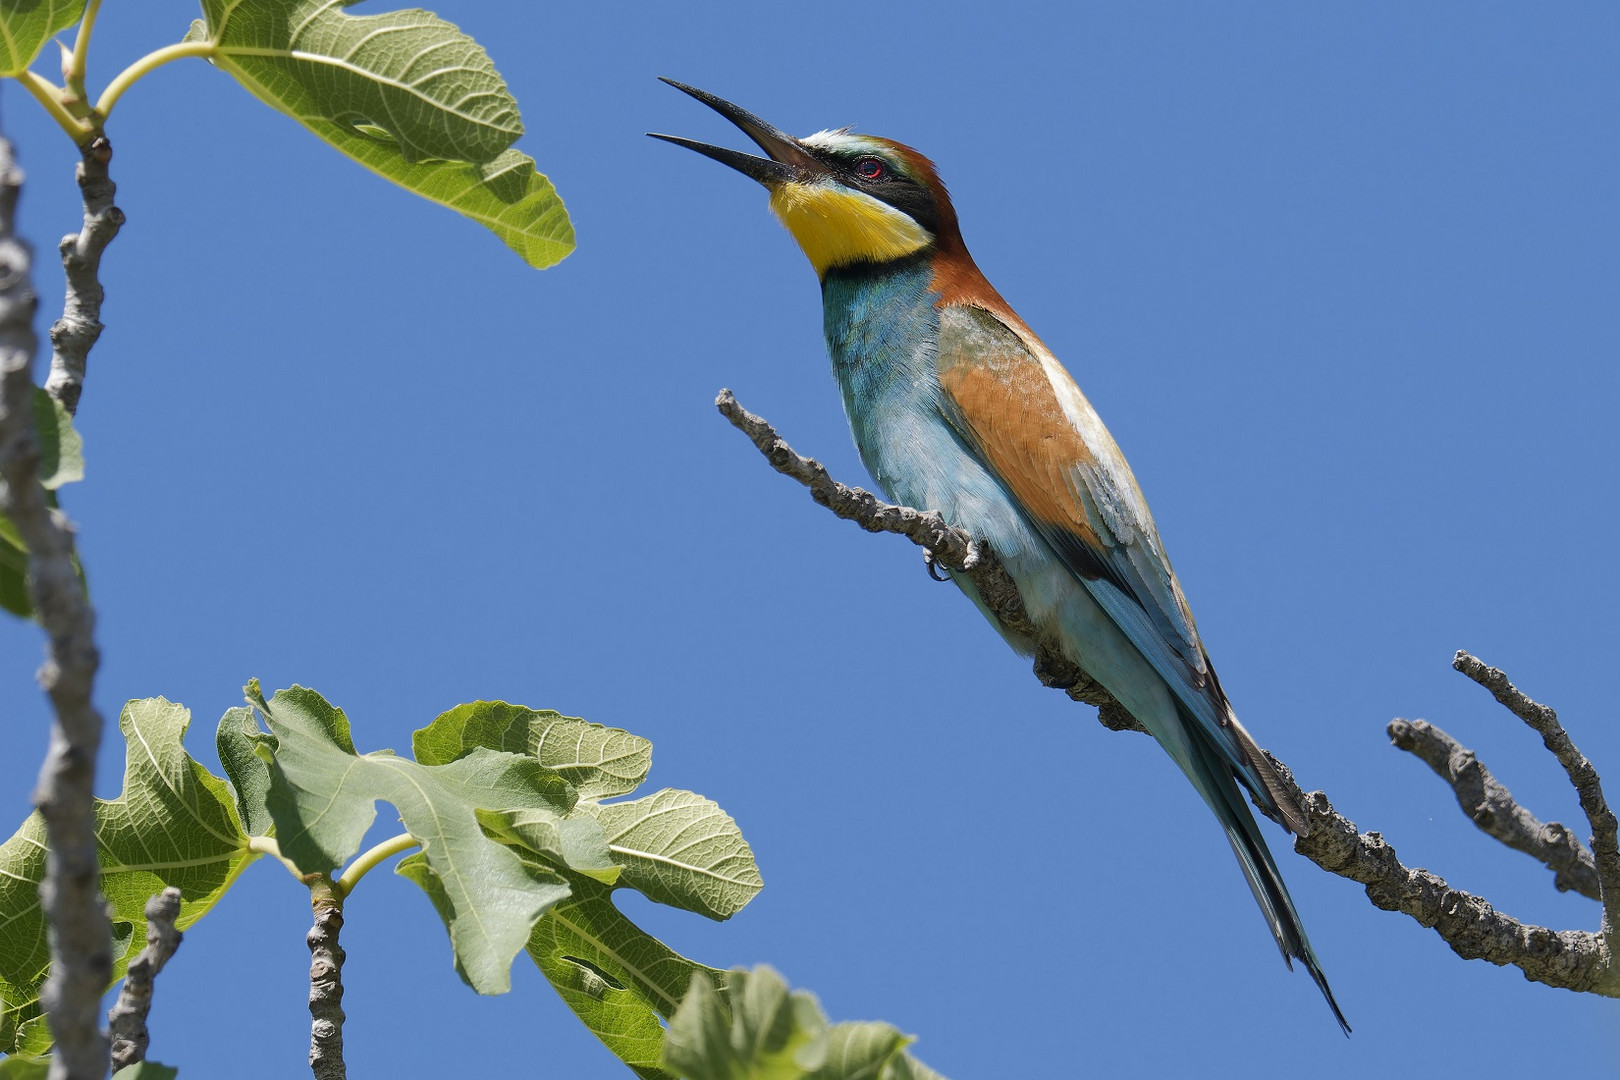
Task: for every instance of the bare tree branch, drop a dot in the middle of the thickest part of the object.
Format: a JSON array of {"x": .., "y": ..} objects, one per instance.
[
  {"x": 127, "y": 1018},
  {"x": 944, "y": 545},
  {"x": 80, "y": 325},
  {"x": 1605, "y": 841},
  {"x": 1570, "y": 959},
  {"x": 81, "y": 941},
  {"x": 326, "y": 981},
  {"x": 1492, "y": 807}
]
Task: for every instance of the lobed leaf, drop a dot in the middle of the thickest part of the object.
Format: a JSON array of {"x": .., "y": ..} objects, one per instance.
[
  {"x": 617, "y": 978},
  {"x": 676, "y": 847},
  {"x": 175, "y": 824},
  {"x": 683, "y": 850},
  {"x": 599, "y": 761},
  {"x": 26, "y": 25},
  {"x": 322, "y": 798}
]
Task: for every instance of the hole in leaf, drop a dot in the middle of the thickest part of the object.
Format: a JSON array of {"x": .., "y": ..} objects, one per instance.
[
  {"x": 362, "y": 125},
  {"x": 593, "y": 979}
]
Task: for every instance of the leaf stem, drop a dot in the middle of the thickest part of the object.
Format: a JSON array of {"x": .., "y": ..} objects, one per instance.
[
  {"x": 368, "y": 861},
  {"x": 49, "y": 95},
  {"x": 74, "y": 75},
  {"x": 266, "y": 845},
  {"x": 145, "y": 66}
]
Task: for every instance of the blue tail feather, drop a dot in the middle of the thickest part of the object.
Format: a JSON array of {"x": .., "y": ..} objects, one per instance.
[{"x": 1216, "y": 782}]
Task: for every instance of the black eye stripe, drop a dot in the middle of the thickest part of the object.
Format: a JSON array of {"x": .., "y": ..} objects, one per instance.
[{"x": 892, "y": 185}]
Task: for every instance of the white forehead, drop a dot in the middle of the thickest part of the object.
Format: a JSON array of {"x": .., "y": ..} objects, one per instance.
[{"x": 843, "y": 140}]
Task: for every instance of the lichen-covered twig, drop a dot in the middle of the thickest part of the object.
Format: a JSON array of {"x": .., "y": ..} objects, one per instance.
[
  {"x": 1570, "y": 959},
  {"x": 81, "y": 942},
  {"x": 80, "y": 325},
  {"x": 325, "y": 981},
  {"x": 127, "y": 1018},
  {"x": 1588, "y": 786},
  {"x": 1490, "y": 805},
  {"x": 945, "y": 546}
]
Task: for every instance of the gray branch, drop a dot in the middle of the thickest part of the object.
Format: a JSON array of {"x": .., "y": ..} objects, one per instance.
[
  {"x": 943, "y": 545},
  {"x": 1570, "y": 959},
  {"x": 326, "y": 982},
  {"x": 128, "y": 1017},
  {"x": 1492, "y": 807},
  {"x": 81, "y": 941},
  {"x": 80, "y": 325},
  {"x": 1544, "y": 721}
]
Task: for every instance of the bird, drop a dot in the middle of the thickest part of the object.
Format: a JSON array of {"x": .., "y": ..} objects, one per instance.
[{"x": 956, "y": 406}]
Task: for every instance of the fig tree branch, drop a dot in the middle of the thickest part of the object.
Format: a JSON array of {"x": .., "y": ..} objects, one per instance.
[
  {"x": 80, "y": 938},
  {"x": 73, "y": 335},
  {"x": 1491, "y": 806}
]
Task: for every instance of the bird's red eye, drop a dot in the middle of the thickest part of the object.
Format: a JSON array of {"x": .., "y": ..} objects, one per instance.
[{"x": 870, "y": 169}]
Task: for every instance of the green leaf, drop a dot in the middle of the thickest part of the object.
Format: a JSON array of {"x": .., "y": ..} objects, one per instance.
[
  {"x": 683, "y": 850},
  {"x": 860, "y": 1051},
  {"x": 758, "y": 1032},
  {"x": 14, "y": 571},
  {"x": 61, "y": 451},
  {"x": 61, "y": 461},
  {"x": 762, "y": 1032},
  {"x": 175, "y": 824},
  {"x": 905, "y": 1067},
  {"x": 545, "y": 886},
  {"x": 599, "y": 761},
  {"x": 573, "y": 841},
  {"x": 676, "y": 847},
  {"x": 508, "y": 196},
  {"x": 405, "y": 94},
  {"x": 25, "y": 1068},
  {"x": 146, "y": 1070},
  {"x": 26, "y": 25},
  {"x": 245, "y": 752},
  {"x": 322, "y": 798},
  {"x": 431, "y": 87},
  {"x": 34, "y": 1036},
  {"x": 615, "y": 977}
]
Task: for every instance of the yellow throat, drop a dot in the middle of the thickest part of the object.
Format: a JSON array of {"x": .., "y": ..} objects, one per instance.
[{"x": 836, "y": 226}]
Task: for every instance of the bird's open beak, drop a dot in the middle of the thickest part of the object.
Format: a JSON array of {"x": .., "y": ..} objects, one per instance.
[{"x": 788, "y": 160}]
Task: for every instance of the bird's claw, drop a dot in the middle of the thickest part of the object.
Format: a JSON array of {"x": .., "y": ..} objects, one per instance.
[{"x": 932, "y": 563}]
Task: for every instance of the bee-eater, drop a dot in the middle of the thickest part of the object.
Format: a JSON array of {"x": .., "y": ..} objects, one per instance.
[{"x": 957, "y": 407}]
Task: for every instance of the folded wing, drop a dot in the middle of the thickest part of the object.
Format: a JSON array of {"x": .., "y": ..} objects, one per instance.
[{"x": 1031, "y": 426}]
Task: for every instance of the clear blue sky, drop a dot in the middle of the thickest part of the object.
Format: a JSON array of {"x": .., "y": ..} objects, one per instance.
[{"x": 1341, "y": 279}]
